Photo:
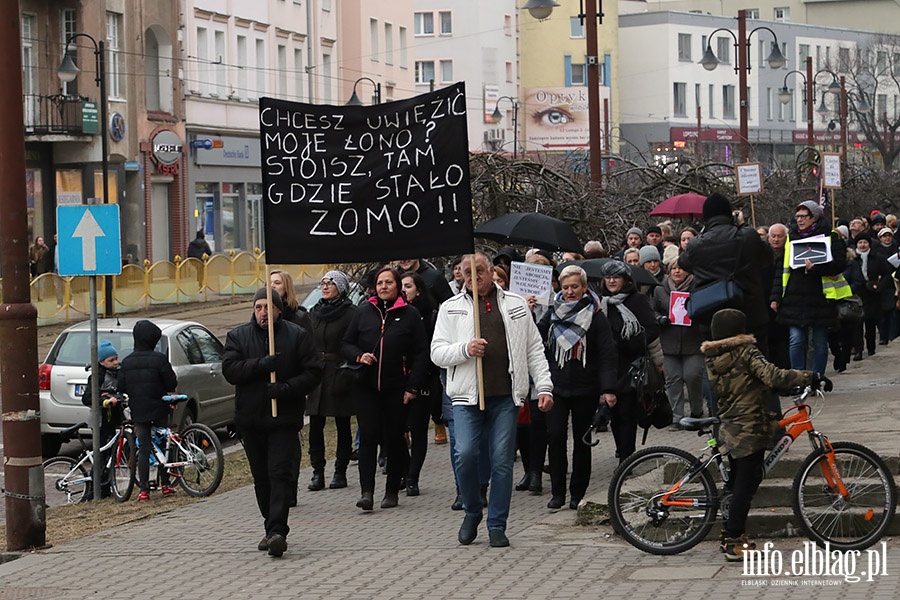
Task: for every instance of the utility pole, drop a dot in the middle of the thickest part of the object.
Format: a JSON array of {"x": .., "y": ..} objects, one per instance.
[{"x": 26, "y": 522}]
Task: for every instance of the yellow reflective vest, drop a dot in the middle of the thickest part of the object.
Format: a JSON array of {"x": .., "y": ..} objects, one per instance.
[{"x": 834, "y": 287}]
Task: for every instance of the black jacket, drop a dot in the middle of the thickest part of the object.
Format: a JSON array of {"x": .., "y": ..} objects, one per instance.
[
  {"x": 329, "y": 324},
  {"x": 197, "y": 248},
  {"x": 397, "y": 339},
  {"x": 146, "y": 376},
  {"x": 297, "y": 366},
  {"x": 435, "y": 282},
  {"x": 713, "y": 256},
  {"x": 598, "y": 375},
  {"x": 876, "y": 287},
  {"x": 635, "y": 347},
  {"x": 803, "y": 302}
]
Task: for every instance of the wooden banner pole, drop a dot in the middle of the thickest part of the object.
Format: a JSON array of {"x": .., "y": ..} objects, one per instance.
[
  {"x": 479, "y": 366},
  {"x": 271, "y": 327},
  {"x": 832, "y": 209},
  {"x": 752, "y": 211}
]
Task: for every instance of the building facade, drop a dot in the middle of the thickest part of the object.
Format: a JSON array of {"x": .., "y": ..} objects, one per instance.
[{"x": 663, "y": 86}]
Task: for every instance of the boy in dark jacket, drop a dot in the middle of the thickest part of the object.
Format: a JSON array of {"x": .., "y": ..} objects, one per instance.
[
  {"x": 743, "y": 380},
  {"x": 110, "y": 408},
  {"x": 146, "y": 376}
]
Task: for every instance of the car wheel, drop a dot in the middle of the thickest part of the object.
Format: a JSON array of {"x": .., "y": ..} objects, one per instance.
[
  {"x": 50, "y": 444},
  {"x": 188, "y": 417}
]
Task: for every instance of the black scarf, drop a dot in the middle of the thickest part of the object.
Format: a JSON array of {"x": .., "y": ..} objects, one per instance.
[{"x": 331, "y": 310}]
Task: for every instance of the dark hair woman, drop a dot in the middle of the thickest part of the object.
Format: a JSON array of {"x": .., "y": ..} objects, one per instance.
[
  {"x": 581, "y": 354},
  {"x": 636, "y": 333},
  {"x": 387, "y": 337},
  {"x": 429, "y": 401},
  {"x": 329, "y": 320}
]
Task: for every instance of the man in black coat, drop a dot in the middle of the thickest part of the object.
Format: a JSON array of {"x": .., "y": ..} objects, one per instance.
[
  {"x": 268, "y": 439},
  {"x": 728, "y": 248}
]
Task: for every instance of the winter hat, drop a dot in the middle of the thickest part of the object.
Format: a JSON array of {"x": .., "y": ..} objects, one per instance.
[
  {"x": 886, "y": 231},
  {"x": 340, "y": 280},
  {"x": 879, "y": 218},
  {"x": 716, "y": 205},
  {"x": 845, "y": 232},
  {"x": 615, "y": 268},
  {"x": 510, "y": 253},
  {"x": 648, "y": 253},
  {"x": 727, "y": 323},
  {"x": 276, "y": 298},
  {"x": 654, "y": 229},
  {"x": 636, "y": 230},
  {"x": 105, "y": 349},
  {"x": 813, "y": 207},
  {"x": 670, "y": 254}
]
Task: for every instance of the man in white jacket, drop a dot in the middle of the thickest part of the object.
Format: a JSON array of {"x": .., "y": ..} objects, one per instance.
[{"x": 511, "y": 350}]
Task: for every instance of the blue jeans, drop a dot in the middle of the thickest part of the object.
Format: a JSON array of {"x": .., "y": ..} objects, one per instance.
[
  {"x": 798, "y": 345},
  {"x": 484, "y": 462},
  {"x": 497, "y": 422}
]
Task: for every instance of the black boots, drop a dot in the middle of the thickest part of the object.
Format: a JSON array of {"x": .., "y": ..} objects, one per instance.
[
  {"x": 390, "y": 500},
  {"x": 523, "y": 483},
  {"x": 317, "y": 482},
  {"x": 535, "y": 483},
  {"x": 338, "y": 481},
  {"x": 367, "y": 501}
]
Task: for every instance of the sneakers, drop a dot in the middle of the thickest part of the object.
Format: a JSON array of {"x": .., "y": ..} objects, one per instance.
[
  {"x": 168, "y": 490},
  {"x": 143, "y": 496},
  {"x": 440, "y": 433},
  {"x": 734, "y": 548}
]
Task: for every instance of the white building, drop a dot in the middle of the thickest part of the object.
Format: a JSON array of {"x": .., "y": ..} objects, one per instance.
[
  {"x": 662, "y": 86},
  {"x": 476, "y": 42}
]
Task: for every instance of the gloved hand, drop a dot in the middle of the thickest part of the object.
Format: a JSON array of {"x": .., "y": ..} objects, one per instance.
[
  {"x": 267, "y": 363},
  {"x": 662, "y": 320},
  {"x": 821, "y": 382},
  {"x": 278, "y": 390}
]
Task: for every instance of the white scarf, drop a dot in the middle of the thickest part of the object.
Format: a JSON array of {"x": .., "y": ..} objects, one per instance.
[{"x": 864, "y": 261}]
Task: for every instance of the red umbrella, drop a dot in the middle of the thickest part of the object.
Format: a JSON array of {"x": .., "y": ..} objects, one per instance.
[{"x": 682, "y": 205}]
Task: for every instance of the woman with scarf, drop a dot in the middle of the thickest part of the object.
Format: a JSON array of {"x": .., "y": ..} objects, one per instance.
[
  {"x": 387, "y": 338},
  {"x": 581, "y": 354},
  {"x": 636, "y": 334},
  {"x": 873, "y": 276},
  {"x": 329, "y": 320},
  {"x": 682, "y": 359}
]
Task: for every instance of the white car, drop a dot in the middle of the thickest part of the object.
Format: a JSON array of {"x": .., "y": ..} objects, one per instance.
[{"x": 195, "y": 354}]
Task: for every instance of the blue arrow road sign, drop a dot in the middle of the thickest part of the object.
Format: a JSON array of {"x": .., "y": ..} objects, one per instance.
[{"x": 90, "y": 242}]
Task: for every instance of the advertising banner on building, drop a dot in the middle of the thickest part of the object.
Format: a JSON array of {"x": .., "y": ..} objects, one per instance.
[{"x": 557, "y": 118}]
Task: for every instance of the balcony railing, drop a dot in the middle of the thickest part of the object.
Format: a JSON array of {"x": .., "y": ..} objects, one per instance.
[{"x": 57, "y": 114}]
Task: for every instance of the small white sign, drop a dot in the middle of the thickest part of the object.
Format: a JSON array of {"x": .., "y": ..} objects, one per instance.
[
  {"x": 749, "y": 179},
  {"x": 528, "y": 279},
  {"x": 831, "y": 170}
]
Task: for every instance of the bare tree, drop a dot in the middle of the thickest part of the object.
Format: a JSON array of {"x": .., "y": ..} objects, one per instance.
[{"x": 873, "y": 90}]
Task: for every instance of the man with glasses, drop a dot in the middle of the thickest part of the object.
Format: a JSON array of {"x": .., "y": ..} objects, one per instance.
[{"x": 806, "y": 293}]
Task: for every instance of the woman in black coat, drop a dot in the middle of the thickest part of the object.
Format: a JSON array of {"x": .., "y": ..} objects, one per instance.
[
  {"x": 387, "y": 338},
  {"x": 581, "y": 353},
  {"x": 329, "y": 320},
  {"x": 636, "y": 334},
  {"x": 876, "y": 275}
]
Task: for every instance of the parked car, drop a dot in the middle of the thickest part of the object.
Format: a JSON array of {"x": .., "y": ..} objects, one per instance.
[
  {"x": 357, "y": 295},
  {"x": 195, "y": 354}
]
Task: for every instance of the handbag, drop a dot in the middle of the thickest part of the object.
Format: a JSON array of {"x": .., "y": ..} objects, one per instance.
[
  {"x": 655, "y": 411},
  {"x": 850, "y": 309},
  {"x": 352, "y": 370},
  {"x": 645, "y": 379},
  {"x": 719, "y": 294}
]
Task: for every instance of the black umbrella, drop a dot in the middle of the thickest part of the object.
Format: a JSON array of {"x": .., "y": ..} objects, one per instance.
[
  {"x": 531, "y": 229},
  {"x": 593, "y": 268}
]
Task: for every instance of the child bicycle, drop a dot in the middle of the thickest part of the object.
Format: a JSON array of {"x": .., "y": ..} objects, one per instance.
[
  {"x": 193, "y": 457},
  {"x": 663, "y": 500},
  {"x": 71, "y": 480}
]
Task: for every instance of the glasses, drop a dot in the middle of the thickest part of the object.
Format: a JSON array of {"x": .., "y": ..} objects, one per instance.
[{"x": 327, "y": 283}]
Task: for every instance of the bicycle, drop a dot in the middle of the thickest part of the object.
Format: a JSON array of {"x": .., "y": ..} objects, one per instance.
[
  {"x": 663, "y": 500},
  {"x": 193, "y": 457},
  {"x": 73, "y": 479}
]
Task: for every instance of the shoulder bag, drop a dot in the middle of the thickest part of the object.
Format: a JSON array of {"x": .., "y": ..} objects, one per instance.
[{"x": 719, "y": 294}]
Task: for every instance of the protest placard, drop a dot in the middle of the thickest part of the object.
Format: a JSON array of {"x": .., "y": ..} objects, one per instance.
[
  {"x": 816, "y": 249},
  {"x": 361, "y": 184},
  {"x": 678, "y": 314},
  {"x": 529, "y": 279}
]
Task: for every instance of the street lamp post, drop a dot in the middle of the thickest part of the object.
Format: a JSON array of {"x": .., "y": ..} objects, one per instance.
[
  {"x": 354, "y": 98},
  {"x": 540, "y": 10},
  {"x": 785, "y": 95},
  {"x": 497, "y": 116},
  {"x": 67, "y": 73},
  {"x": 741, "y": 44}
]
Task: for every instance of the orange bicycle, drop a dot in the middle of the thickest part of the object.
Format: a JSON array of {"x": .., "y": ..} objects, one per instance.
[{"x": 664, "y": 500}]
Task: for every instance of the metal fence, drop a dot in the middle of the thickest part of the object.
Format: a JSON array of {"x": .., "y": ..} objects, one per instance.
[{"x": 61, "y": 299}]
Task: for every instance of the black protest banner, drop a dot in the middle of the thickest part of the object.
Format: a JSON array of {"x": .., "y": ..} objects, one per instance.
[{"x": 360, "y": 184}]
